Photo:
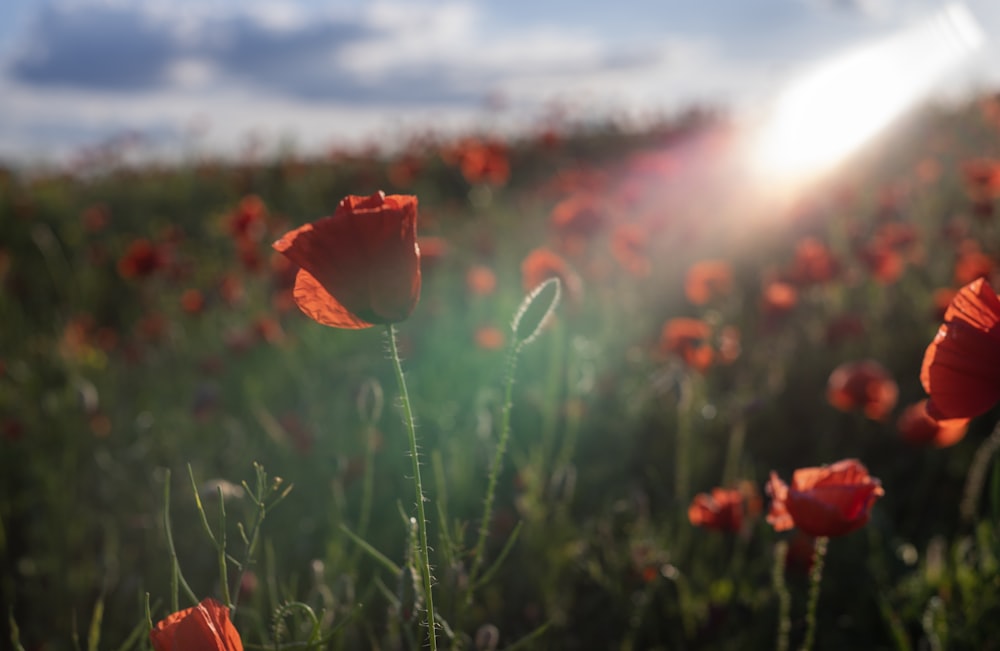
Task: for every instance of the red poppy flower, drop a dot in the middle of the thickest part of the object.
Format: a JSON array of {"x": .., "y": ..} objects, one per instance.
[
  {"x": 490, "y": 338},
  {"x": 961, "y": 367},
  {"x": 827, "y": 501},
  {"x": 481, "y": 280},
  {"x": 982, "y": 179},
  {"x": 708, "y": 279},
  {"x": 688, "y": 339},
  {"x": 885, "y": 264},
  {"x": 813, "y": 263},
  {"x": 247, "y": 222},
  {"x": 721, "y": 509},
  {"x": 971, "y": 263},
  {"x": 141, "y": 259},
  {"x": 481, "y": 161},
  {"x": 205, "y": 627},
  {"x": 360, "y": 266},
  {"x": 916, "y": 426},
  {"x": 779, "y": 298},
  {"x": 864, "y": 385}
]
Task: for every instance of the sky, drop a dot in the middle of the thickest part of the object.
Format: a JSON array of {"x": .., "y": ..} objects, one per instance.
[{"x": 210, "y": 76}]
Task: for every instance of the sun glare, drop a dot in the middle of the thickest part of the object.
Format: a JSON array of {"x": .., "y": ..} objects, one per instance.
[{"x": 836, "y": 107}]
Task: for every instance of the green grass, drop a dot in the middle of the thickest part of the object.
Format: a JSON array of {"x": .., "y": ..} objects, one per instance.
[{"x": 609, "y": 438}]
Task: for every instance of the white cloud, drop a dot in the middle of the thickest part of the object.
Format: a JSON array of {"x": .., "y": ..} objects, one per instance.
[{"x": 91, "y": 69}]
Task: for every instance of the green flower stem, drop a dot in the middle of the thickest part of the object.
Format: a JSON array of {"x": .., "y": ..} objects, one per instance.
[
  {"x": 815, "y": 575},
  {"x": 784, "y": 598},
  {"x": 484, "y": 524},
  {"x": 682, "y": 454},
  {"x": 423, "y": 551}
]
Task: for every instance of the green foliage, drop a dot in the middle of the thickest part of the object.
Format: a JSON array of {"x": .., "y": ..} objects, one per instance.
[{"x": 113, "y": 386}]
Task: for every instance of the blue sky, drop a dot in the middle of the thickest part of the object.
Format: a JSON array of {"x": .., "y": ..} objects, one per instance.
[{"x": 206, "y": 74}]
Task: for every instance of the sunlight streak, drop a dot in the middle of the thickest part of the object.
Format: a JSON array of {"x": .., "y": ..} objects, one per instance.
[{"x": 839, "y": 105}]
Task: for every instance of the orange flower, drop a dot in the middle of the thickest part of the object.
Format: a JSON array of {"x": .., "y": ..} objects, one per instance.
[
  {"x": 360, "y": 266},
  {"x": 205, "y": 627},
  {"x": 688, "y": 339},
  {"x": 916, "y": 426},
  {"x": 779, "y": 297},
  {"x": 721, "y": 509},
  {"x": 490, "y": 338},
  {"x": 864, "y": 385},
  {"x": 827, "y": 501},
  {"x": 961, "y": 367},
  {"x": 481, "y": 280},
  {"x": 708, "y": 279}
]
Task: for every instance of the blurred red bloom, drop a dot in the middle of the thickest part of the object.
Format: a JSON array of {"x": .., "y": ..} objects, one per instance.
[
  {"x": 405, "y": 170},
  {"x": 971, "y": 263},
  {"x": 826, "y": 501},
  {"x": 688, "y": 339},
  {"x": 707, "y": 280},
  {"x": 205, "y": 627},
  {"x": 360, "y": 266},
  {"x": 813, "y": 263},
  {"x": 142, "y": 258},
  {"x": 916, "y": 426},
  {"x": 721, "y": 509},
  {"x": 884, "y": 263},
  {"x": 247, "y": 221},
  {"x": 96, "y": 218},
  {"x": 542, "y": 264},
  {"x": 982, "y": 182},
  {"x": 779, "y": 298},
  {"x": 193, "y": 301},
  {"x": 481, "y": 161},
  {"x": 961, "y": 367},
  {"x": 490, "y": 338},
  {"x": 864, "y": 385},
  {"x": 481, "y": 280},
  {"x": 579, "y": 214},
  {"x": 268, "y": 330}
]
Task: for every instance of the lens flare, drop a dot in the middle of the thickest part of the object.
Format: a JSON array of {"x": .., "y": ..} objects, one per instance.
[{"x": 840, "y": 104}]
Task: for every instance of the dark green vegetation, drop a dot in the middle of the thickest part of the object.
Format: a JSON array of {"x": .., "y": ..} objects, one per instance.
[{"x": 112, "y": 374}]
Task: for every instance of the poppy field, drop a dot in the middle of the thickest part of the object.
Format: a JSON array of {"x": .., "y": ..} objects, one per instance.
[{"x": 593, "y": 388}]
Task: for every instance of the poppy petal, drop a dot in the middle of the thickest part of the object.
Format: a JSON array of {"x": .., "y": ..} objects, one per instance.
[
  {"x": 961, "y": 371},
  {"x": 207, "y": 628},
  {"x": 317, "y": 303},
  {"x": 976, "y": 304},
  {"x": 778, "y": 516}
]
